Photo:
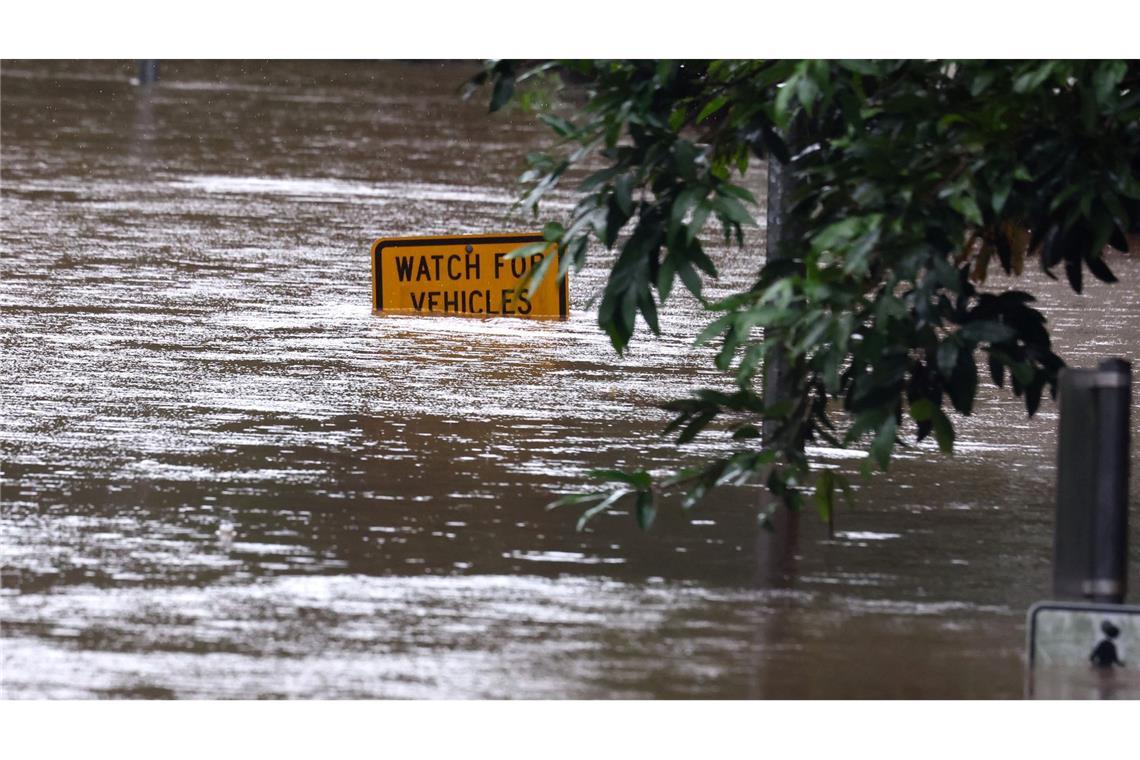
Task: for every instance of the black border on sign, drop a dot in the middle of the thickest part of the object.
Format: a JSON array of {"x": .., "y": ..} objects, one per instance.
[{"x": 411, "y": 242}]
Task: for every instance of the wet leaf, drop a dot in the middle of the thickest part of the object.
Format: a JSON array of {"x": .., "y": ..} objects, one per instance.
[
  {"x": 503, "y": 90},
  {"x": 987, "y": 331},
  {"x": 553, "y": 231},
  {"x": 561, "y": 126},
  {"x": 712, "y": 107},
  {"x": 825, "y": 494},
  {"x": 1099, "y": 269},
  {"x": 646, "y": 510},
  {"x": 943, "y": 432},
  {"x": 623, "y": 194}
]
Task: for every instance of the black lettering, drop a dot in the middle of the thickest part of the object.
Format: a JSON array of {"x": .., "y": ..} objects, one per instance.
[
  {"x": 418, "y": 305},
  {"x": 535, "y": 259},
  {"x": 451, "y": 300},
  {"x": 524, "y": 302},
  {"x": 423, "y": 270},
  {"x": 507, "y": 296},
  {"x": 404, "y": 268},
  {"x": 498, "y": 263},
  {"x": 438, "y": 257},
  {"x": 487, "y": 300},
  {"x": 432, "y": 297},
  {"x": 472, "y": 304},
  {"x": 518, "y": 267},
  {"x": 454, "y": 275},
  {"x": 472, "y": 266}
]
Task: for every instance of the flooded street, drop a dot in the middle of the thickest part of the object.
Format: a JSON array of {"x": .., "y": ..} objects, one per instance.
[{"x": 224, "y": 477}]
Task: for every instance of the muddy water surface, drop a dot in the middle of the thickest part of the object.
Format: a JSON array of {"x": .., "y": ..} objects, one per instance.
[{"x": 224, "y": 477}]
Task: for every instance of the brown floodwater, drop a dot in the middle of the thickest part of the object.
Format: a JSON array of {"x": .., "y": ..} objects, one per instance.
[{"x": 223, "y": 476}]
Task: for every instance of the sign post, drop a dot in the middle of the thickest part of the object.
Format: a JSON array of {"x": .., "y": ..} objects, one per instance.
[
  {"x": 469, "y": 275},
  {"x": 1090, "y": 548}
]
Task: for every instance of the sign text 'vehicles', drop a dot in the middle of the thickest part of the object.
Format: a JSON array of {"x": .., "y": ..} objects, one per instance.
[{"x": 455, "y": 271}]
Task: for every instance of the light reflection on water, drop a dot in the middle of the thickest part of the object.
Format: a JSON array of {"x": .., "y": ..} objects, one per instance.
[{"x": 224, "y": 477}]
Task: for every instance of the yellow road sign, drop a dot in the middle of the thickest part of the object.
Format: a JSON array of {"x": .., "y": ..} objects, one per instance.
[{"x": 467, "y": 275}]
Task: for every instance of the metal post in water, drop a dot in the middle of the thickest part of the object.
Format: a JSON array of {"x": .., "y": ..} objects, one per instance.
[
  {"x": 148, "y": 71},
  {"x": 776, "y": 369},
  {"x": 777, "y": 548},
  {"x": 1110, "y": 510},
  {"x": 1090, "y": 549},
  {"x": 777, "y": 372}
]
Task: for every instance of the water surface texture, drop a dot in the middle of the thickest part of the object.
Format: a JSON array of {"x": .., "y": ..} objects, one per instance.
[{"x": 223, "y": 476}]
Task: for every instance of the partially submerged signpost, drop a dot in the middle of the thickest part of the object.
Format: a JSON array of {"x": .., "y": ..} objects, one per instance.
[
  {"x": 1076, "y": 649},
  {"x": 502, "y": 275}
]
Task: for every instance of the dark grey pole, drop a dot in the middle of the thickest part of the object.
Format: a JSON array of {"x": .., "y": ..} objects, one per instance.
[
  {"x": 776, "y": 378},
  {"x": 778, "y": 374},
  {"x": 148, "y": 71},
  {"x": 777, "y": 548},
  {"x": 1090, "y": 549},
  {"x": 1110, "y": 508}
]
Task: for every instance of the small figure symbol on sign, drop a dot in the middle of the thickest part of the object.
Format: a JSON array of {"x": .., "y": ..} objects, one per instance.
[{"x": 1104, "y": 653}]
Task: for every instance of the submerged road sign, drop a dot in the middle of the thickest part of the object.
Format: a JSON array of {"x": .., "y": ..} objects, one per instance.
[
  {"x": 468, "y": 275},
  {"x": 1083, "y": 651}
]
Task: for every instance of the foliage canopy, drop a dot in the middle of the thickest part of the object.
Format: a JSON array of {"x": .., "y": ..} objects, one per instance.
[{"x": 911, "y": 180}]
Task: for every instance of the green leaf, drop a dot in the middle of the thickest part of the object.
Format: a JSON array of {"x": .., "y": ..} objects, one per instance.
[
  {"x": 1099, "y": 269},
  {"x": 665, "y": 277},
  {"x": 967, "y": 207},
  {"x": 947, "y": 357},
  {"x": 696, "y": 254},
  {"x": 1107, "y": 78},
  {"x": 698, "y": 221},
  {"x": 526, "y": 251},
  {"x": 684, "y": 201},
  {"x": 963, "y": 384},
  {"x": 884, "y": 441},
  {"x": 562, "y": 127},
  {"x": 648, "y": 310},
  {"x": 866, "y": 68},
  {"x": 646, "y": 511},
  {"x": 623, "y": 194},
  {"x": 987, "y": 331},
  {"x": 575, "y": 498},
  {"x": 807, "y": 91},
  {"x": 922, "y": 409},
  {"x": 602, "y": 506},
  {"x": 690, "y": 277},
  {"x": 825, "y": 494},
  {"x": 533, "y": 278},
  {"x": 1033, "y": 78},
  {"x": 784, "y": 100},
  {"x": 698, "y": 424},
  {"x": 501, "y": 93},
  {"x": 712, "y": 107},
  {"x": 639, "y": 479},
  {"x": 943, "y": 432},
  {"x": 1002, "y": 188},
  {"x": 553, "y": 232},
  {"x": 677, "y": 118},
  {"x": 731, "y": 209},
  {"x": 598, "y": 178},
  {"x": 736, "y": 191},
  {"x": 715, "y": 328}
]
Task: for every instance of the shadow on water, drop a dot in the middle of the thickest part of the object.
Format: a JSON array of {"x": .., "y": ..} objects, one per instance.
[{"x": 223, "y": 477}]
